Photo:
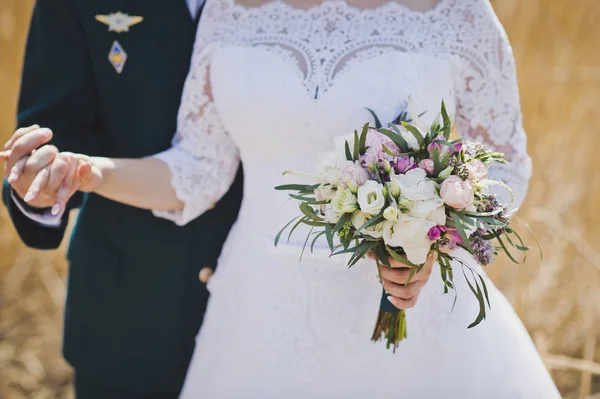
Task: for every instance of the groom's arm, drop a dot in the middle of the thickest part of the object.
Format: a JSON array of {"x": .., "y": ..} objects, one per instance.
[{"x": 57, "y": 91}]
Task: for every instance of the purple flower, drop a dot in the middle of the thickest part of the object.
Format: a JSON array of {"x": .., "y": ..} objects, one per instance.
[
  {"x": 443, "y": 149},
  {"x": 403, "y": 164},
  {"x": 434, "y": 233},
  {"x": 483, "y": 251},
  {"x": 435, "y": 145}
]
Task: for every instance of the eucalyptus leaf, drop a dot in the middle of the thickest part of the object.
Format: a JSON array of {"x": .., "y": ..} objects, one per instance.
[{"x": 278, "y": 236}]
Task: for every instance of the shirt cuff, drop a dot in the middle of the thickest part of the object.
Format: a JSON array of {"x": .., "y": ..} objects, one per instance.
[{"x": 44, "y": 217}]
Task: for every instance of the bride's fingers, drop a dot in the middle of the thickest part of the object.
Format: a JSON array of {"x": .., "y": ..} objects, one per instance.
[
  {"x": 403, "y": 291},
  {"x": 398, "y": 276},
  {"x": 62, "y": 196},
  {"x": 403, "y": 304},
  {"x": 38, "y": 184}
]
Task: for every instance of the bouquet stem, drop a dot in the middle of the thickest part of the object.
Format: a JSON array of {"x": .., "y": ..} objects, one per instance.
[{"x": 391, "y": 324}]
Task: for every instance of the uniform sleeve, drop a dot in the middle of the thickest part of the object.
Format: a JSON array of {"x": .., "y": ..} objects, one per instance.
[
  {"x": 203, "y": 159},
  {"x": 57, "y": 91},
  {"x": 489, "y": 108}
]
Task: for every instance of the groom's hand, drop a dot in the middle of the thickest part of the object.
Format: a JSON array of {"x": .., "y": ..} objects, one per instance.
[
  {"x": 28, "y": 158},
  {"x": 394, "y": 281}
]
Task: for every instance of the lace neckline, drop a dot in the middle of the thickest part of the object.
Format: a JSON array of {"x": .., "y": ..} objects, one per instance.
[{"x": 388, "y": 5}]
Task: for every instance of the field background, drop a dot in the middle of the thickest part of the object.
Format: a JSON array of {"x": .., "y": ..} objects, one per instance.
[{"x": 558, "y": 57}]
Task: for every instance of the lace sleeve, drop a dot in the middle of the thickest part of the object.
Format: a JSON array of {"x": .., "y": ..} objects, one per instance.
[
  {"x": 203, "y": 159},
  {"x": 489, "y": 108}
]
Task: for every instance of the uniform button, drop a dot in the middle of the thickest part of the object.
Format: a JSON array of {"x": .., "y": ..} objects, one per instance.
[{"x": 205, "y": 274}]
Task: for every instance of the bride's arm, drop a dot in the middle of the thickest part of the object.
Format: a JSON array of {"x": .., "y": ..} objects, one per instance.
[
  {"x": 184, "y": 181},
  {"x": 142, "y": 183},
  {"x": 489, "y": 109}
]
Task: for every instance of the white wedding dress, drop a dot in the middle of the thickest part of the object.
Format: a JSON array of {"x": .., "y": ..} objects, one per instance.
[{"x": 273, "y": 85}]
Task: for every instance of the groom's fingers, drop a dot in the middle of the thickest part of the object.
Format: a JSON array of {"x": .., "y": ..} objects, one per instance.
[
  {"x": 25, "y": 145},
  {"x": 18, "y": 134}
]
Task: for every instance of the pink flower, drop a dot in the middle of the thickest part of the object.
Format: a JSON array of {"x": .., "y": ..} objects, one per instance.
[
  {"x": 456, "y": 193},
  {"x": 477, "y": 170},
  {"x": 403, "y": 164},
  {"x": 375, "y": 153},
  {"x": 453, "y": 235},
  {"x": 355, "y": 172},
  {"x": 427, "y": 165},
  {"x": 434, "y": 233},
  {"x": 443, "y": 149}
]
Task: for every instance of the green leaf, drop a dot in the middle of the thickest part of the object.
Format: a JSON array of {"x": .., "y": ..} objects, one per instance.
[
  {"x": 377, "y": 121},
  {"x": 329, "y": 235},
  {"x": 309, "y": 212},
  {"x": 301, "y": 221},
  {"x": 382, "y": 257},
  {"x": 478, "y": 294},
  {"x": 278, "y": 236},
  {"x": 356, "y": 146},
  {"x": 356, "y": 248},
  {"x": 485, "y": 291},
  {"x": 312, "y": 246},
  {"x": 371, "y": 222},
  {"x": 390, "y": 152},
  {"x": 298, "y": 187},
  {"x": 343, "y": 220},
  {"x": 447, "y": 122},
  {"x": 415, "y": 132},
  {"x": 505, "y": 249},
  {"x": 308, "y": 200},
  {"x": 400, "y": 258},
  {"x": 396, "y": 138},
  {"x": 363, "y": 138},
  {"x": 461, "y": 231},
  {"x": 306, "y": 242},
  {"x": 533, "y": 234},
  {"x": 348, "y": 152}
]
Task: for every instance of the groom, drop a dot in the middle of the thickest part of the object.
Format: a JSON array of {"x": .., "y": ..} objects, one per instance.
[{"x": 107, "y": 78}]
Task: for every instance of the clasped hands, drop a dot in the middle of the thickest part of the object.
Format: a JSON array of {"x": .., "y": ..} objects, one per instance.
[
  {"x": 46, "y": 178},
  {"x": 41, "y": 175}
]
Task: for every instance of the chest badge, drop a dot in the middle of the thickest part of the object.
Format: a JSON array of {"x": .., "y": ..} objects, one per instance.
[
  {"x": 119, "y": 22},
  {"x": 117, "y": 57}
]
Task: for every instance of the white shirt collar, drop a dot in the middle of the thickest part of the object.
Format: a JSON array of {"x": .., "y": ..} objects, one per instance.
[{"x": 194, "y": 6}]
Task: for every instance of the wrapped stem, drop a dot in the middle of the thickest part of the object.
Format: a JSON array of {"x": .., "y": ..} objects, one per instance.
[{"x": 390, "y": 325}]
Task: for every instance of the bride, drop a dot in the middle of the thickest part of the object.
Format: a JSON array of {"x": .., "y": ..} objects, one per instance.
[{"x": 272, "y": 83}]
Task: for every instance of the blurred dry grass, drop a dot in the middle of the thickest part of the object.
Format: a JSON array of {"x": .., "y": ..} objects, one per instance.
[{"x": 555, "y": 42}]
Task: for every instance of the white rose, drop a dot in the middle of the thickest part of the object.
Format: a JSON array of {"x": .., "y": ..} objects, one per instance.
[
  {"x": 344, "y": 202},
  {"x": 353, "y": 171},
  {"x": 420, "y": 192},
  {"x": 324, "y": 193},
  {"x": 371, "y": 198},
  {"x": 411, "y": 235},
  {"x": 328, "y": 167},
  {"x": 360, "y": 218},
  {"x": 331, "y": 216}
]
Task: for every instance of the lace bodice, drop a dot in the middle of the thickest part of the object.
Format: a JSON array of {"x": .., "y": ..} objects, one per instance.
[{"x": 248, "y": 63}]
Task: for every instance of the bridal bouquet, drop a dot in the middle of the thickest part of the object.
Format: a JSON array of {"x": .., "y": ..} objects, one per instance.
[{"x": 403, "y": 191}]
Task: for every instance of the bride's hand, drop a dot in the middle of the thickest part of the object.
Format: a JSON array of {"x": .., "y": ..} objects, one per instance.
[
  {"x": 394, "y": 281},
  {"x": 58, "y": 186}
]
